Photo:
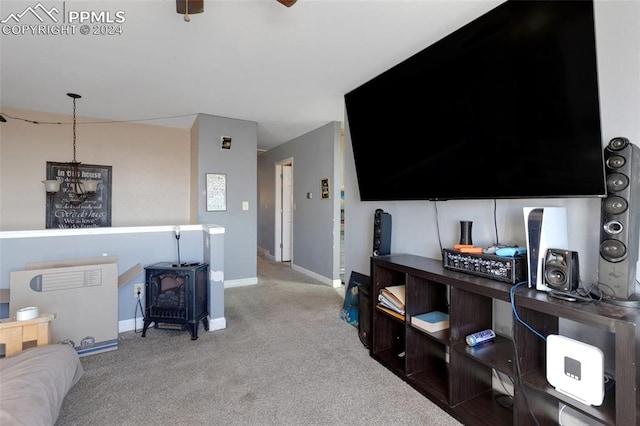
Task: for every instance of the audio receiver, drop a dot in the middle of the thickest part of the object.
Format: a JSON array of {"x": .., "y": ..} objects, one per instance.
[{"x": 509, "y": 269}]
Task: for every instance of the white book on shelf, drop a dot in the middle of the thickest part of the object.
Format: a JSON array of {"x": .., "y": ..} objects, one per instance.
[{"x": 431, "y": 321}]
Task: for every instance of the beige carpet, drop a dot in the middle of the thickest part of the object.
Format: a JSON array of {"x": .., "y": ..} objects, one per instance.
[{"x": 285, "y": 358}]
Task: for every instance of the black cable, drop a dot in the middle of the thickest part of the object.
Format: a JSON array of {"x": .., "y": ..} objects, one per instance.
[
  {"x": 135, "y": 315},
  {"x": 504, "y": 400},
  {"x": 95, "y": 122},
  {"x": 610, "y": 298},
  {"x": 435, "y": 204},
  {"x": 495, "y": 221}
]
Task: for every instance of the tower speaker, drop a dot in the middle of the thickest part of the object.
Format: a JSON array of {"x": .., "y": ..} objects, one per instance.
[
  {"x": 561, "y": 270},
  {"x": 545, "y": 227},
  {"x": 620, "y": 220},
  {"x": 381, "y": 233}
]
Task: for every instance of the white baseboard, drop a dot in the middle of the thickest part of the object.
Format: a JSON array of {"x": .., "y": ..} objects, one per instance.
[
  {"x": 130, "y": 325},
  {"x": 241, "y": 282},
  {"x": 324, "y": 280},
  {"x": 217, "y": 323}
]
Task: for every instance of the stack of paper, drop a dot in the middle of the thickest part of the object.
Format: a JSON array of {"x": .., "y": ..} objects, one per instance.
[{"x": 392, "y": 297}]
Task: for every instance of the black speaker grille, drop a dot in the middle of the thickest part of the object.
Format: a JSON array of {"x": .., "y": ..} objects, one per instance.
[
  {"x": 555, "y": 276},
  {"x": 615, "y": 205},
  {"x": 613, "y": 250},
  {"x": 616, "y": 144},
  {"x": 616, "y": 161},
  {"x": 617, "y": 182}
]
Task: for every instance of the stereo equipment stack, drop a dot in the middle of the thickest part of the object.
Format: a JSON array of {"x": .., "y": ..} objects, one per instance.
[{"x": 501, "y": 268}]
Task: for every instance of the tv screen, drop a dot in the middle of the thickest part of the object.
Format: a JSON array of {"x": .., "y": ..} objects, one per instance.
[{"x": 505, "y": 107}]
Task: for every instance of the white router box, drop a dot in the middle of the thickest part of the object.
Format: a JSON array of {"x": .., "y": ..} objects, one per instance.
[
  {"x": 545, "y": 227},
  {"x": 575, "y": 369}
]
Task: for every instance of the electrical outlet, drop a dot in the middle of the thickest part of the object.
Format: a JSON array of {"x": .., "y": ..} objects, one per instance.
[{"x": 138, "y": 289}]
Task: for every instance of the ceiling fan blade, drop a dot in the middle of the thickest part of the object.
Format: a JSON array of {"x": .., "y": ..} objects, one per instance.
[
  {"x": 287, "y": 3},
  {"x": 195, "y": 6}
]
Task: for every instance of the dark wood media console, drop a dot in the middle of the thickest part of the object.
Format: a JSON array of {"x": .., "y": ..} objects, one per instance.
[{"x": 458, "y": 378}]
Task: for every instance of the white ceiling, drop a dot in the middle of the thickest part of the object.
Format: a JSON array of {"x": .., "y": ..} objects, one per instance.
[{"x": 287, "y": 69}]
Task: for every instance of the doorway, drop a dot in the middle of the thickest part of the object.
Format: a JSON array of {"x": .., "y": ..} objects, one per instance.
[{"x": 283, "y": 240}]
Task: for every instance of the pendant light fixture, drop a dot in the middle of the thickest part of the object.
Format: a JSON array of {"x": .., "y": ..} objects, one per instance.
[
  {"x": 287, "y": 3},
  {"x": 79, "y": 190},
  {"x": 189, "y": 7}
]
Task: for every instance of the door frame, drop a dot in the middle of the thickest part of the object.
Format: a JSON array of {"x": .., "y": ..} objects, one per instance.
[{"x": 278, "y": 209}]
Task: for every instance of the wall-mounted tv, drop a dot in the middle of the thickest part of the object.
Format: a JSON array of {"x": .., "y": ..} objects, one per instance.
[{"x": 505, "y": 107}]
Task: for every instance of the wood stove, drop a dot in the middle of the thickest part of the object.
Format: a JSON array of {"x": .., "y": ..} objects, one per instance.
[{"x": 176, "y": 296}]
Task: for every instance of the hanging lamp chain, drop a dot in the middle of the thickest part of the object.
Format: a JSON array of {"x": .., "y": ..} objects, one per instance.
[{"x": 74, "y": 130}]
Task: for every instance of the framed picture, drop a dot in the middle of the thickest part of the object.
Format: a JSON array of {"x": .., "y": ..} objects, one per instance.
[
  {"x": 325, "y": 188},
  {"x": 216, "y": 192},
  {"x": 66, "y": 209},
  {"x": 225, "y": 142}
]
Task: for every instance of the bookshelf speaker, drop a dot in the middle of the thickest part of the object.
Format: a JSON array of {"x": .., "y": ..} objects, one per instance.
[
  {"x": 381, "y": 233},
  {"x": 561, "y": 270}
]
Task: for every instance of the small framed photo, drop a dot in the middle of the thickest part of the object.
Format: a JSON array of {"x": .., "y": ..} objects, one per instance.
[
  {"x": 225, "y": 142},
  {"x": 325, "y": 188}
]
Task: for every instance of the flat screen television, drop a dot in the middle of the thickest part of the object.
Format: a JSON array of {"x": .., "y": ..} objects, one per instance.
[{"x": 505, "y": 107}]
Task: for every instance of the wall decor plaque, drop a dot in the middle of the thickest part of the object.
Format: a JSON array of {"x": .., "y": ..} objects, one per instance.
[{"x": 64, "y": 212}]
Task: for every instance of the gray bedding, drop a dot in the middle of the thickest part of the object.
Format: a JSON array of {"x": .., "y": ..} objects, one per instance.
[{"x": 34, "y": 382}]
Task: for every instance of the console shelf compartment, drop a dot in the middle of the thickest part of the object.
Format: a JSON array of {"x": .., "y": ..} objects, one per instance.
[{"x": 458, "y": 378}]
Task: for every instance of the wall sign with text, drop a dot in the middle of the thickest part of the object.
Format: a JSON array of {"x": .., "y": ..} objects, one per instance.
[
  {"x": 216, "y": 192},
  {"x": 63, "y": 211}
]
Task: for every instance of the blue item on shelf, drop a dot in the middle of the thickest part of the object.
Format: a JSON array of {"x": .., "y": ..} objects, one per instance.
[{"x": 511, "y": 251}]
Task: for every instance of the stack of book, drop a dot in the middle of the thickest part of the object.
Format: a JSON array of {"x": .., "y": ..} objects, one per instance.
[{"x": 392, "y": 298}]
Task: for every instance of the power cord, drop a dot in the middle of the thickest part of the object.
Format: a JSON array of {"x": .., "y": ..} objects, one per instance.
[
  {"x": 435, "y": 205},
  {"x": 495, "y": 221},
  {"x": 135, "y": 314},
  {"x": 504, "y": 400},
  {"x": 593, "y": 294}
]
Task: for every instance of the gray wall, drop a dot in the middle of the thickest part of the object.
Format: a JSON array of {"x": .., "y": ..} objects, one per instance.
[
  {"x": 415, "y": 224},
  {"x": 316, "y": 222},
  {"x": 239, "y": 165}
]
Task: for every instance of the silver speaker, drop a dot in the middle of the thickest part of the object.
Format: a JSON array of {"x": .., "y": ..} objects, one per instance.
[{"x": 620, "y": 220}]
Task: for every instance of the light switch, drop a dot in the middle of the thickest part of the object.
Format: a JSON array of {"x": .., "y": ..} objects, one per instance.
[{"x": 245, "y": 205}]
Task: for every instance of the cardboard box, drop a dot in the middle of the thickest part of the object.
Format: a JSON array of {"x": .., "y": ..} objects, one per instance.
[{"x": 83, "y": 294}]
